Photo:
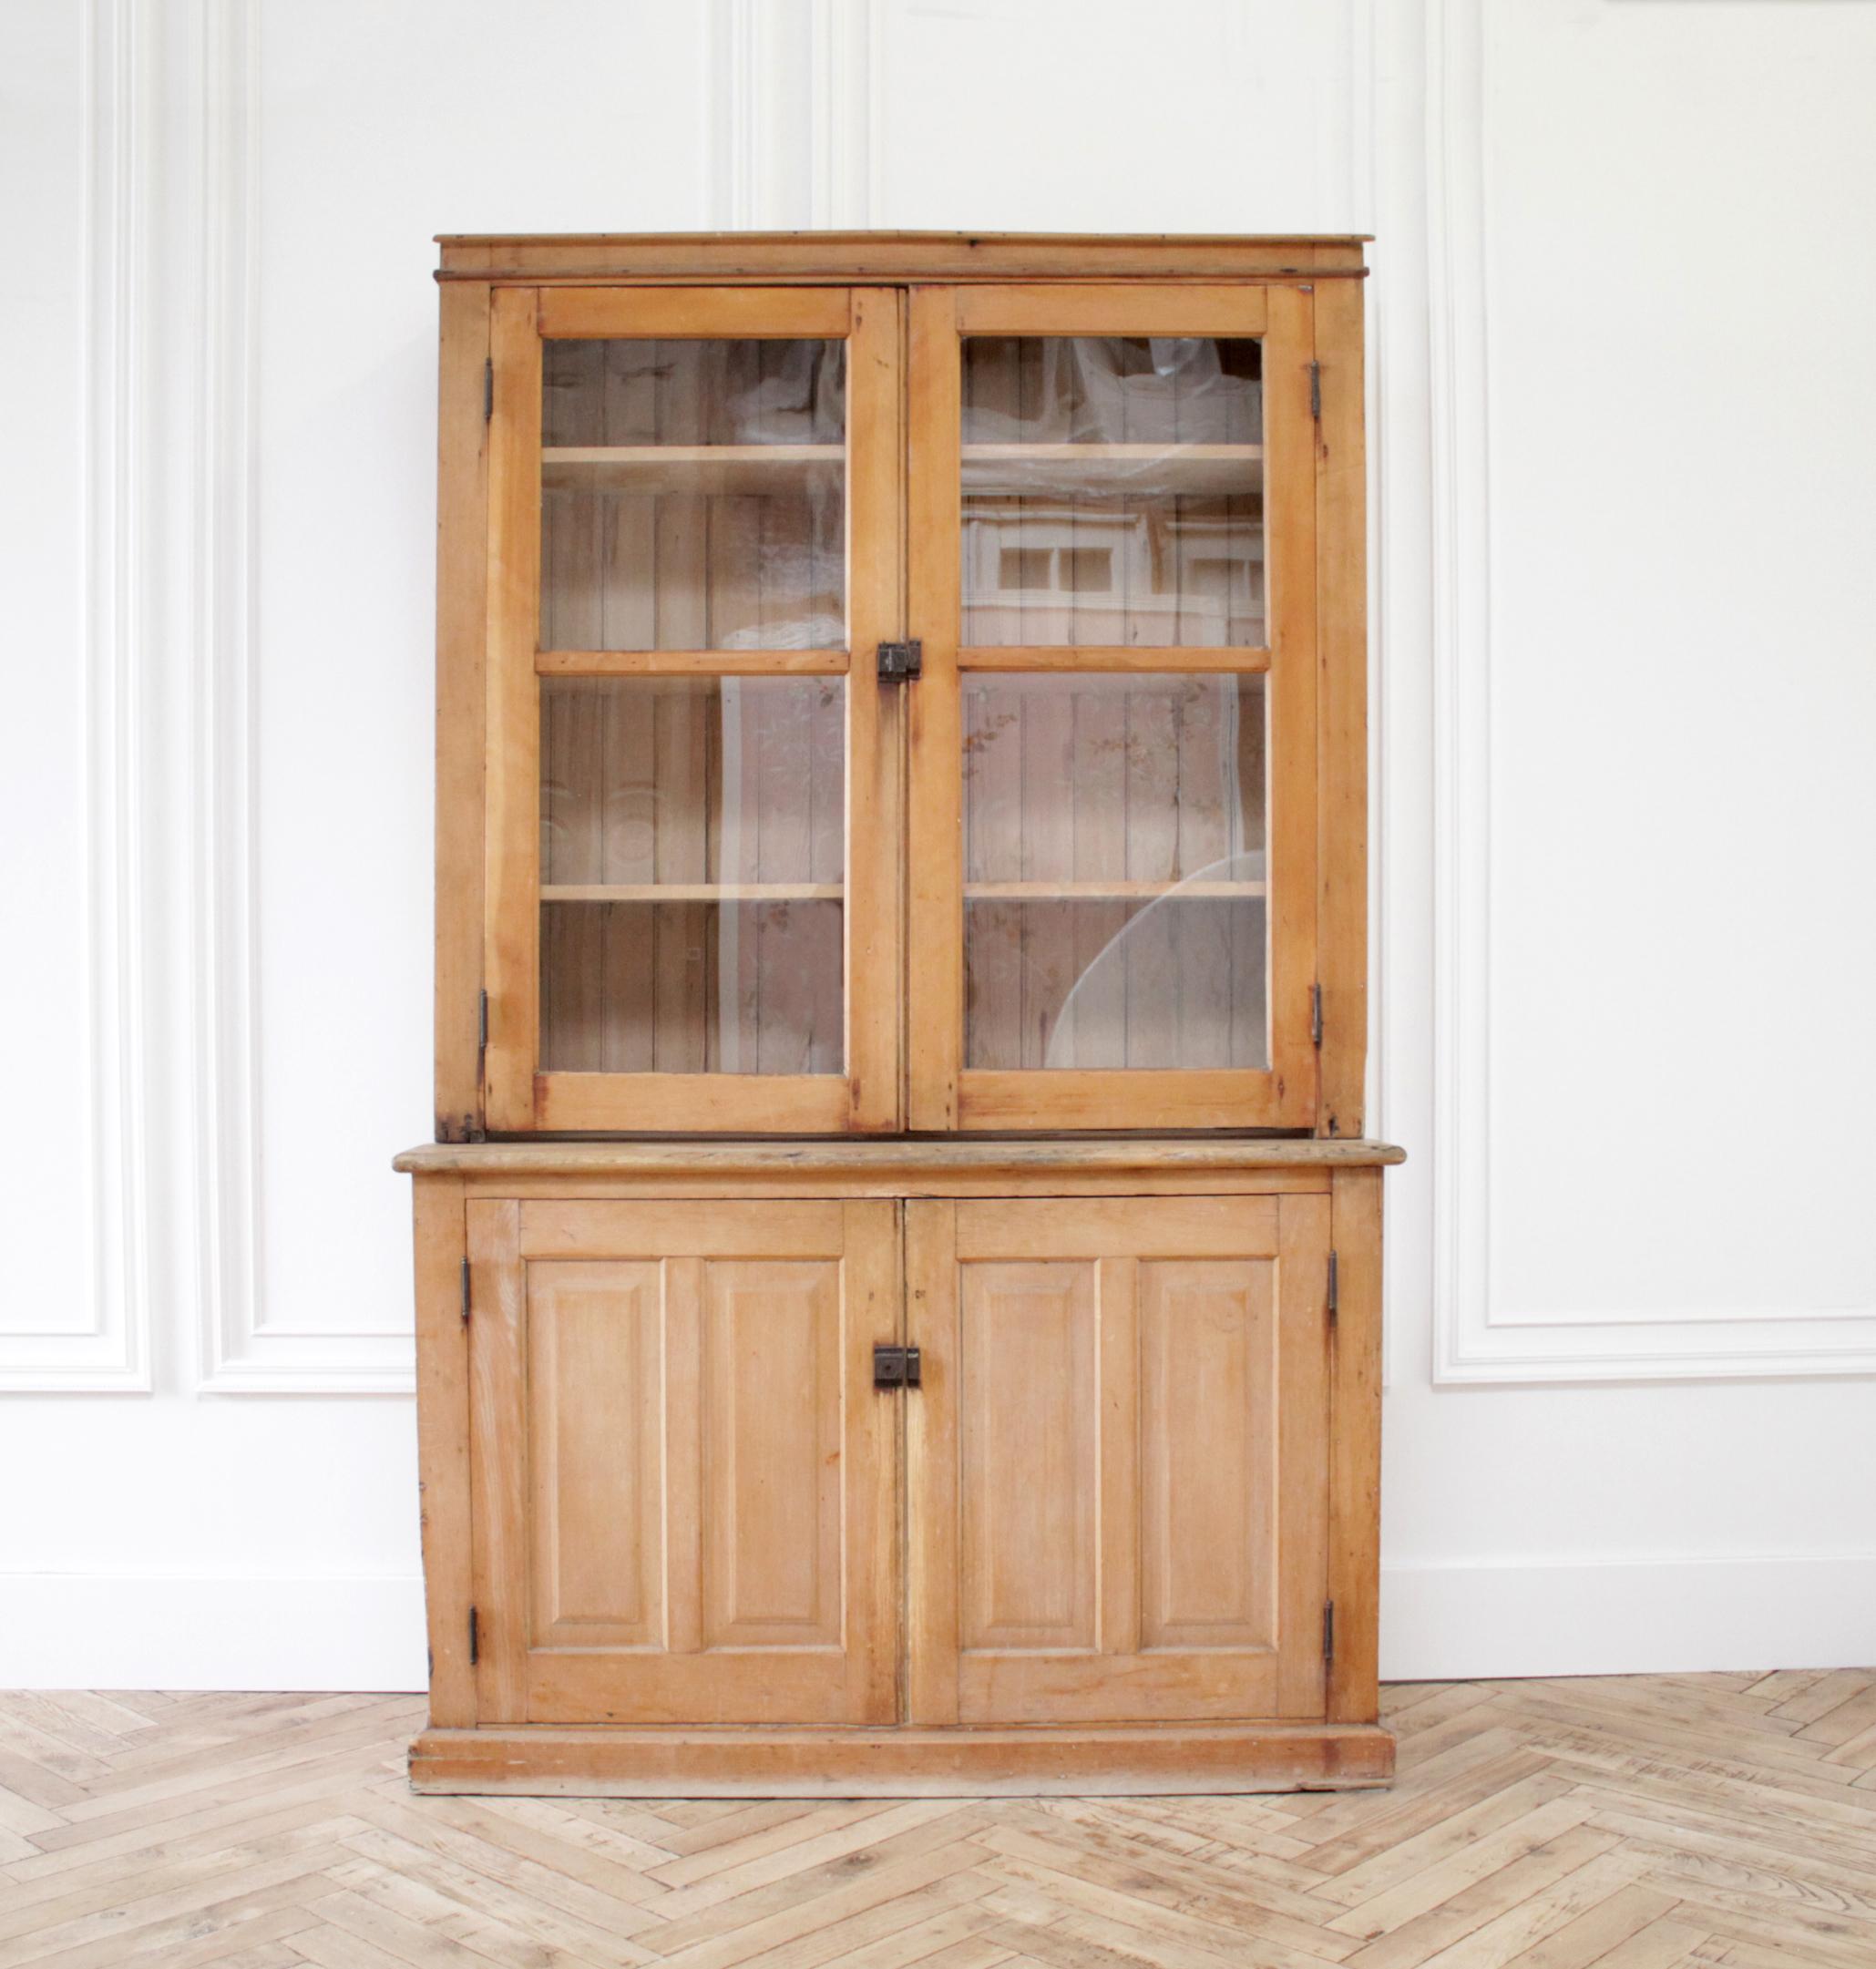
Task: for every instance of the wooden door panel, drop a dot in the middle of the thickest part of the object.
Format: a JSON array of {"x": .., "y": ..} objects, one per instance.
[
  {"x": 1208, "y": 1438},
  {"x": 770, "y": 1496},
  {"x": 683, "y": 1477},
  {"x": 596, "y": 1478},
  {"x": 1029, "y": 1456},
  {"x": 1118, "y": 1470}
]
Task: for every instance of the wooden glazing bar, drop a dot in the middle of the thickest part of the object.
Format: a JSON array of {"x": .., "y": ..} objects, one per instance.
[{"x": 691, "y": 662}]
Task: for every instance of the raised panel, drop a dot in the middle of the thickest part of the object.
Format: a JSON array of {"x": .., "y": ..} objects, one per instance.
[
  {"x": 771, "y": 1484},
  {"x": 595, "y": 1476},
  {"x": 1029, "y": 1456},
  {"x": 1208, "y": 1454}
]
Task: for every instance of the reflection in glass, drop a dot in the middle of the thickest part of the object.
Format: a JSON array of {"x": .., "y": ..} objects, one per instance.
[
  {"x": 692, "y": 495},
  {"x": 692, "y": 860},
  {"x": 1115, "y": 871},
  {"x": 1114, "y": 491}
]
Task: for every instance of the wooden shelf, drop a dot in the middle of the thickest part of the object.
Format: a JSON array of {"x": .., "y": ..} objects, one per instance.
[
  {"x": 1081, "y": 471},
  {"x": 692, "y": 468},
  {"x": 1104, "y": 891},
  {"x": 691, "y": 891}
]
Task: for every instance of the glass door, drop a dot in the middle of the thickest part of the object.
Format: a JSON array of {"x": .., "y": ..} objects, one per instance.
[
  {"x": 1112, "y": 568},
  {"x": 694, "y": 500}
]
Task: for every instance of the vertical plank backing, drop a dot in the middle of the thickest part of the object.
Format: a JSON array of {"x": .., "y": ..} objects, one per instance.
[
  {"x": 935, "y": 975},
  {"x": 512, "y": 766},
  {"x": 461, "y": 563},
  {"x": 443, "y": 1446},
  {"x": 1341, "y": 498},
  {"x": 931, "y": 1465},
  {"x": 498, "y": 1458},
  {"x": 1355, "y": 1440}
]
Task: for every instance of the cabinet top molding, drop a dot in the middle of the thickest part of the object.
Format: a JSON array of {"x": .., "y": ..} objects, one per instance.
[
  {"x": 719, "y": 257},
  {"x": 1062, "y": 1157}
]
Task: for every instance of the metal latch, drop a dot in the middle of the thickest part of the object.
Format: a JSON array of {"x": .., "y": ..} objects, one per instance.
[
  {"x": 901, "y": 660},
  {"x": 895, "y": 1367}
]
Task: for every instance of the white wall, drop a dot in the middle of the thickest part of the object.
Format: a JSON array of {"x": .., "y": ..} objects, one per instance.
[{"x": 1621, "y": 310}]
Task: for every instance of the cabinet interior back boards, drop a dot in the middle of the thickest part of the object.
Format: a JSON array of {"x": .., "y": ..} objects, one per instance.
[{"x": 899, "y": 1272}]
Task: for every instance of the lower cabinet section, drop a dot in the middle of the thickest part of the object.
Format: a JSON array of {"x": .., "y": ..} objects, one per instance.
[{"x": 678, "y": 1540}]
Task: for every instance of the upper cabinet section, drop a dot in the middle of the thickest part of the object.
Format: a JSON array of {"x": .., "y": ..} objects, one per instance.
[{"x": 709, "y": 865}]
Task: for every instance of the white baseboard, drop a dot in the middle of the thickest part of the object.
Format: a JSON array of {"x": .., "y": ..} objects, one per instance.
[
  {"x": 1627, "y": 1616},
  {"x": 1438, "y": 1623},
  {"x": 170, "y": 1631}
]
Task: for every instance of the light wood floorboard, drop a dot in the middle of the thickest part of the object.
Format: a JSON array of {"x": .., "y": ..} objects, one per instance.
[{"x": 1620, "y": 1823}]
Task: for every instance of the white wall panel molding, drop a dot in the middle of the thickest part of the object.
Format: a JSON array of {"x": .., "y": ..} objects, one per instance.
[
  {"x": 241, "y": 1352},
  {"x": 844, "y": 100},
  {"x": 1474, "y": 1339},
  {"x": 1680, "y": 1613},
  {"x": 107, "y": 1349}
]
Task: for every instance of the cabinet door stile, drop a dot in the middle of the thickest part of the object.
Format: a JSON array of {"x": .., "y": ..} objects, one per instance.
[
  {"x": 931, "y": 1465},
  {"x": 935, "y": 979},
  {"x": 512, "y": 768},
  {"x": 872, "y": 819}
]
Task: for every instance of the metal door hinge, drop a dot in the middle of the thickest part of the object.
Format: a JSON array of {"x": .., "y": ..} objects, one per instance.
[
  {"x": 465, "y": 1292},
  {"x": 1335, "y": 1290},
  {"x": 895, "y": 1367},
  {"x": 1316, "y": 392},
  {"x": 488, "y": 389},
  {"x": 1328, "y": 1632},
  {"x": 1315, "y": 1015},
  {"x": 475, "y": 1640},
  {"x": 481, "y": 1028},
  {"x": 903, "y": 661}
]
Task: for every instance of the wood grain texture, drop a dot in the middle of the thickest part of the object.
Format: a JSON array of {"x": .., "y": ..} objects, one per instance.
[
  {"x": 1341, "y": 585},
  {"x": 462, "y": 577},
  {"x": 1355, "y": 1437},
  {"x": 897, "y": 256},
  {"x": 1627, "y": 1822},
  {"x": 512, "y": 755},
  {"x": 443, "y": 1444}
]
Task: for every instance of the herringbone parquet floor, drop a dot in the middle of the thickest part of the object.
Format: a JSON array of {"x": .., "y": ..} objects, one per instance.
[{"x": 1632, "y": 1822}]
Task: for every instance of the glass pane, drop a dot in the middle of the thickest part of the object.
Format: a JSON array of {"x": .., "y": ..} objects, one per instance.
[
  {"x": 693, "y": 495},
  {"x": 1114, "y": 490},
  {"x": 693, "y": 859},
  {"x": 1115, "y": 874}
]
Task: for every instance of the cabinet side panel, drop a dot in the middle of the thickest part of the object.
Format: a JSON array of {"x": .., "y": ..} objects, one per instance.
[
  {"x": 1355, "y": 1458},
  {"x": 462, "y": 558},
  {"x": 1341, "y": 501},
  {"x": 443, "y": 1447}
]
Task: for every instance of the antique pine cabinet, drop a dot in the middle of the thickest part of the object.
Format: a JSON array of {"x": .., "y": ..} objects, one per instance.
[{"x": 899, "y": 1272}]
